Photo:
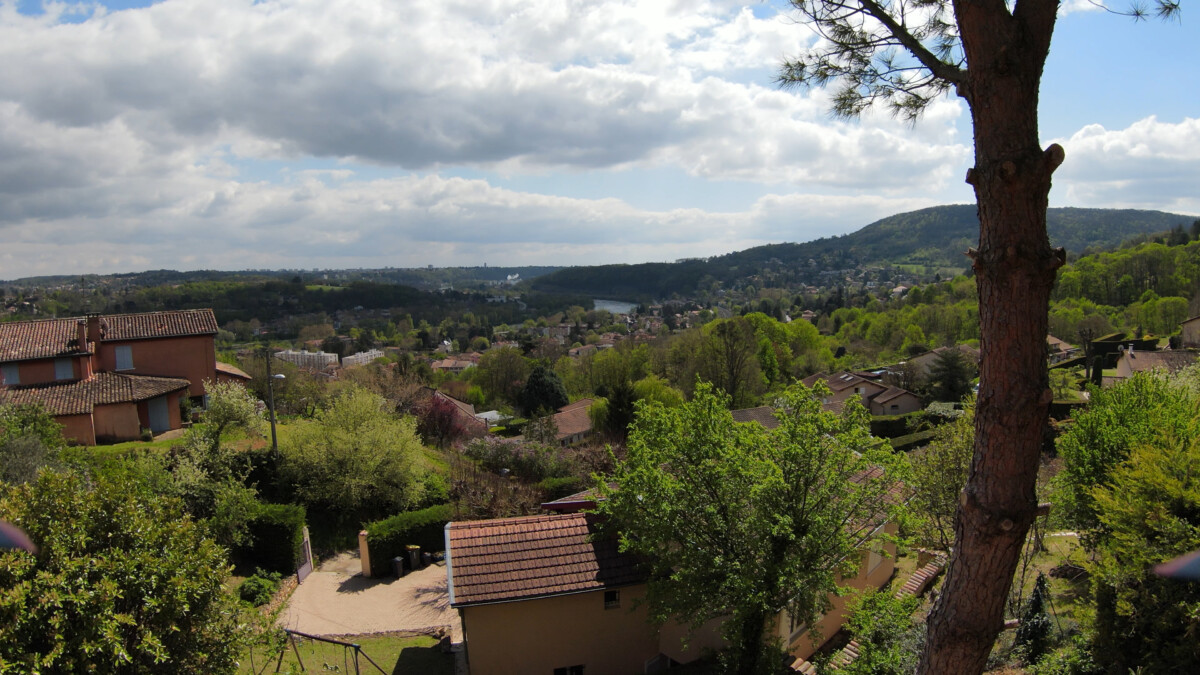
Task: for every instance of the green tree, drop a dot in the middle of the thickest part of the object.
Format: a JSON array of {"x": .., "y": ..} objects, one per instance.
[
  {"x": 123, "y": 582},
  {"x": 30, "y": 419},
  {"x": 230, "y": 405},
  {"x": 904, "y": 54},
  {"x": 501, "y": 373},
  {"x": 728, "y": 358},
  {"x": 654, "y": 389},
  {"x": 355, "y": 460},
  {"x": 950, "y": 376},
  {"x": 889, "y": 641},
  {"x": 1119, "y": 418},
  {"x": 29, "y": 440},
  {"x": 739, "y": 522},
  {"x": 543, "y": 392},
  {"x": 1033, "y": 633},
  {"x": 939, "y": 471},
  {"x": 1150, "y": 513}
]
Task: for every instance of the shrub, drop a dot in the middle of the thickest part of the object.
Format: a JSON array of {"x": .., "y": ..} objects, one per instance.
[
  {"x": 557, "y": 488},
  {"x": 528, "y": 461},
  {"x": 387, "y": 538},
  {"x": 260, "y": 588},
  {"x": 275, "y": 533}
]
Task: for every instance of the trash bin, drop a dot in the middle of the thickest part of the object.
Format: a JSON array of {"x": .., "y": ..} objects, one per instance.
[
  {"x": 426, "y": 559},
  {"x": 398, "y": 566},
  {"x": 414, "y": 556}
]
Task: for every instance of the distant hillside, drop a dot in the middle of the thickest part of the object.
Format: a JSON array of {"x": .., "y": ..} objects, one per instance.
[
  {"x": 417, "y": 277},
  {"x": 934, "y": 238}
]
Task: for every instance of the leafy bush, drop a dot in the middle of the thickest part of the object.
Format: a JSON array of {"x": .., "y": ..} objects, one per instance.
[
  {"x": 387, "y": 538},
  {"x": 528, "y": 461},
  {"x": 260, "y": 588},
  {"x": 275, "y": 533},
  {"x": 557, "y": 488}
]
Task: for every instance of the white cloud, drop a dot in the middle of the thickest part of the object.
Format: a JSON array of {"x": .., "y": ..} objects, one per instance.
[{"x": 1150, "y": 164}]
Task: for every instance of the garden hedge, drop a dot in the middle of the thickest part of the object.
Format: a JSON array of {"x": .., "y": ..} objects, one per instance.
[{"x": 387, "y": 538}]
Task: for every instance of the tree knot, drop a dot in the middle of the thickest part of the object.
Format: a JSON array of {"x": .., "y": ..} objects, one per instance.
[{"x": 1054, "y": 156}]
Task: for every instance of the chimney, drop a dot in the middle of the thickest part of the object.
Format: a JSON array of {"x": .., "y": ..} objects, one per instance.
[
  {"x": 81, "y": 335},
  {"x": 93, "y": 328}
]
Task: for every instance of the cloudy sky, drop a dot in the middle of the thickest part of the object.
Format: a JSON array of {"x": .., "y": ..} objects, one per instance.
[{"x": 233, "y": 134}]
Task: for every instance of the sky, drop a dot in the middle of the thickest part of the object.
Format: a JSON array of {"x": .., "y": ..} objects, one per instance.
[{"x": 299, "y": 134}]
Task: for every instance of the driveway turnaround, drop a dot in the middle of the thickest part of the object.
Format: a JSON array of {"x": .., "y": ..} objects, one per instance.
[{"x": 337, "y": 600}]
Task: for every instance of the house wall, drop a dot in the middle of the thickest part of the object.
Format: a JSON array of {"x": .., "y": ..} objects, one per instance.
[
  {"x": 38, "y": 371},
  {"x": 806, "y": 643},
  {"x": 193, "y": 357},
  {"x": 116, "y": 422},
  {"x": 905, "y": 403},
  {"x": 1189, "y": 333},
  {"x": 77, "y": 429},
  {"x": 537, "y": 636},
  {"x": 173, "y": 414}
]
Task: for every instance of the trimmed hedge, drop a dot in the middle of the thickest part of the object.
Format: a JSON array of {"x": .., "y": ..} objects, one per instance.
[
  {"x": 891, "y": 426},
  {"x": 275, "y": 535},
  {"x": 906, "y": 443},
  {"x": 387, "y": 538}
]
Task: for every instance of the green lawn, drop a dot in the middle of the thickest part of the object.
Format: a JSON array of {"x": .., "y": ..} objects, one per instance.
[{"x": 396, "y": 655}]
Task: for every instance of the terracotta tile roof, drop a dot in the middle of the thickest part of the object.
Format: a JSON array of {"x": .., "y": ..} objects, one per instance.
[
  {"x": 1170, "y": 360},
  {"x": 48, "y": 338},
  {"x": 159, "y": 324},
  {"x": 80, "y": 396},
  {"x": 232, "y": 371},
  {"x": 573, "y": 419},
  {"x": 764, "y": 415},
  {"x": 531, "y": 557},
  {"x": 889, "y": 394},
  {"x": 45, "y": 338}
]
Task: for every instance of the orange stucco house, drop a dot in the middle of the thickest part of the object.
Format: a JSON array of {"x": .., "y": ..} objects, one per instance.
[
  {"x": 105, "y": 378},
  {"x": 546, "y": 595}
]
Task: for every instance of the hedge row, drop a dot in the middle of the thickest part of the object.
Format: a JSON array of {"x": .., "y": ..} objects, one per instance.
[
  {"x": 387, "y": 538},
  {"x": 891, "y": 426},
  {"x": 906, "y": 443},
  {"x": 275, "y": 535}
]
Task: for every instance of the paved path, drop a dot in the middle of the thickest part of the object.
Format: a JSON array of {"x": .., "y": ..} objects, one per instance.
[{"x": 337, "y": 600}]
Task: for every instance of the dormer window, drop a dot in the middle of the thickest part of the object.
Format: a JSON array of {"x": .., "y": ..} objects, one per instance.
[{"x": 63, "y": 369}]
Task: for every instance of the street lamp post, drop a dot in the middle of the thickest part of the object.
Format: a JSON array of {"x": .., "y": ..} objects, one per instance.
[{"x": 271, "y": 400}]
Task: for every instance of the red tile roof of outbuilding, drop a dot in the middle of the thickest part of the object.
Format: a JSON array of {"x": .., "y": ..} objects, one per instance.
[{"x": 530, "y": 557}]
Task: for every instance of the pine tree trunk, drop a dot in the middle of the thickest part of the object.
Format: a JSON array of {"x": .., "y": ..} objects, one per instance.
[{"x": 1015, "y": 269}]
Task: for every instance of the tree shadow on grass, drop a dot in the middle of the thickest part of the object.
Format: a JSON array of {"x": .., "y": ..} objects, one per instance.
[{"x": 424, "y": 660}]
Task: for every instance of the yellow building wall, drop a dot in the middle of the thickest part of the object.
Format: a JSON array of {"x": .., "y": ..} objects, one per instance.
[
  {"x": 533, "y": 637},
  {"x": 806, "y": 643}
]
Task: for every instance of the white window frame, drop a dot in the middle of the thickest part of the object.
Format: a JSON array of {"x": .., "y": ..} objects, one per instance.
[
  {"x": 124, "y": 357},
  {"x": 63, "y": 369},
  {"x": 10, "y": 374}
]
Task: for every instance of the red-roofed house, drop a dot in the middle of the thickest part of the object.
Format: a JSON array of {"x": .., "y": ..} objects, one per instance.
[
  {"x": 548, "y": 594},
  {"x": 878, "y": 398},
  {"x": 107, "y": 377},
  {"x": 572, "y": 422}
]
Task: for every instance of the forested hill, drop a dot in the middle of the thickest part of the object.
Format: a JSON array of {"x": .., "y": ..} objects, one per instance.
[{"x": 933, "y": 238}]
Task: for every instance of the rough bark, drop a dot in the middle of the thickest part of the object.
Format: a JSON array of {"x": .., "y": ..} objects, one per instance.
[{"x": 1015, "y": 269}]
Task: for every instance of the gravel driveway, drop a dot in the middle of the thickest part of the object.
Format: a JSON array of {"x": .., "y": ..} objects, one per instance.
[{"x": 337, "y": 600}]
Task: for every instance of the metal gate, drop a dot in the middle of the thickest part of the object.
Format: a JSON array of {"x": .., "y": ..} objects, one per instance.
[{"x": 304, "y": 560}]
